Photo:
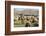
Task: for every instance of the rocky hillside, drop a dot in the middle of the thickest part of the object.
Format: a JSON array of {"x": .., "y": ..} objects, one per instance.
[{"x": 27, "y": 12}]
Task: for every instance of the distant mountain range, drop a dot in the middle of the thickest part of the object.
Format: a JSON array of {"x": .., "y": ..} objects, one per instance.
[{"x": 27, "y": 12}]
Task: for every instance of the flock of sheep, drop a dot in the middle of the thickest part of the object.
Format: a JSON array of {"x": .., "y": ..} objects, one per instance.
[{"x": 27, "y": 20}]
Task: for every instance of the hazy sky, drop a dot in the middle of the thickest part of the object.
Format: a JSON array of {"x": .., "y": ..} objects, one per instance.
[{"x": 20, "y": 9}]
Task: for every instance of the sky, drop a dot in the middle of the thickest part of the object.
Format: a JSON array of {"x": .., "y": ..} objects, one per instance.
[{"x": 20, "y": 9}]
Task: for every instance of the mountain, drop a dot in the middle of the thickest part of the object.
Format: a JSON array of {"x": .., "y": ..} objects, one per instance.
[{"x": 27, "y": 12}]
